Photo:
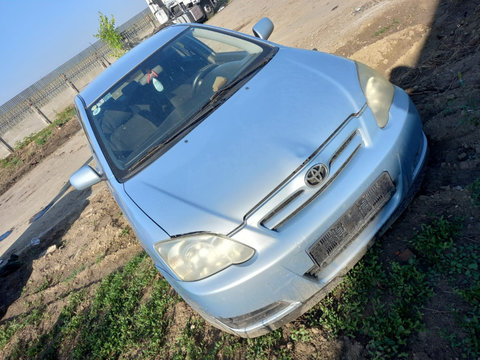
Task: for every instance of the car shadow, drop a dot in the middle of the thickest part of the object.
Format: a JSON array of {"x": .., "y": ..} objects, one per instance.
[
  {"x": 440, "y": 84},
  {"x": 444, "y": 85},
  {"x": 46, "y": 229}
]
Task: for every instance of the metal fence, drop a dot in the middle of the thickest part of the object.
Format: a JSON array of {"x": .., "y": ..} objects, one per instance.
[{"x": 70, "y": 74}]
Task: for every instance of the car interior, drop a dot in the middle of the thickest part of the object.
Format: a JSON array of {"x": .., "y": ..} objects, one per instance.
[{"x": 162, "y": 93}]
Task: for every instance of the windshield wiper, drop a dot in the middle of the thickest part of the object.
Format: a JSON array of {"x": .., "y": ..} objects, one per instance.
[
  {"x": 203, "y": 111},
  {"x": 198, "y": 117},
  {"x": 146, "y": 156},
  {"x": 226, "y": 89}
]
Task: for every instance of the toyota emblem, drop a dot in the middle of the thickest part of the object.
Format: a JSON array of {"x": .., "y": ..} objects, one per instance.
[{"x": 316, "y": 174}]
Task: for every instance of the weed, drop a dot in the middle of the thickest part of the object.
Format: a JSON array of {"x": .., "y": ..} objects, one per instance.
[
  {"x": 125, "y": 231},
  {"x": 262, "y": 347},
  {"x": 383, "y": 303},
  {"x": 379, "y": 303},
  {"x": 470, "y": 110},
  {"x": 46, "y": 345},
  {"x": 342, "y": 310},
  {"x": 300, "y": 334},
  {"x": 467, "y": 340},
  {"x": 41, "y": 137},
  {"x": 99, "y": 258},
  {"x": 65, "y": 116},
  {"x": 384, "y": 29},
  {"x": 45, "y": 284},
  {"x": 10, "y": 162},
  {"x": 474, "y": 189},
  {"x": 189, "y": 344},
  {"x": 8, "y": 329},
  {"x": 118, "y": 320},
  {"x": 74, "y": 273},
  {"x": 458, "y": 264},
  {"x": 435, "y": 239}
]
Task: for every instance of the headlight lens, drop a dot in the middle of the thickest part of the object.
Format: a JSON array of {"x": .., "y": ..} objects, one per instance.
[
  {"x": 195, "y": 257},
  {"x": 378, "y": 91}
]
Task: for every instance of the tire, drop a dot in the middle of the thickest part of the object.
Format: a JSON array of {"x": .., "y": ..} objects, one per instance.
[{"x": 208, "y": 9}]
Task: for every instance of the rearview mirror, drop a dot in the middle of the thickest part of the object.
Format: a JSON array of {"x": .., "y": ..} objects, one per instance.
[
  {"x": 263, "y": 29},
  {"x": 85, "y": 177}
]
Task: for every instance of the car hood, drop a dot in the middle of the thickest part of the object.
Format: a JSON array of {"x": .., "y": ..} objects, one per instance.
[{"x": 215, "y": 175}]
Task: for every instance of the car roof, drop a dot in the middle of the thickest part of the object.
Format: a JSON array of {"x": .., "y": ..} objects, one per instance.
[{"x": 127, "y": 62}]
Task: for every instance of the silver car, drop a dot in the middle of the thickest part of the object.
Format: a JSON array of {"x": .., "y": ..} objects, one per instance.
[{"x": 255, "y": 175}]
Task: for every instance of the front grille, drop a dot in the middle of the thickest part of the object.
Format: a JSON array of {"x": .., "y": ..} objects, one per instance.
[
  {"x": 342, "y": 152},
  {"x": 351, "y": 223},
  {"x": 280, "y": 207},
  {"x": 293, "y": 194}
]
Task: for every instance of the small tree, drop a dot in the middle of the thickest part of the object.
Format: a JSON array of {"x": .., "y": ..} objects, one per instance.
[{"x": 110, "y": 35}]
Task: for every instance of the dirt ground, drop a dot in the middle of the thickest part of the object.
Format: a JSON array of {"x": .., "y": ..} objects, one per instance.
[
  {"x": 31, "y": 155},
  {"x": 48, "y": 167},
  {"x": 431, "y": 48}
]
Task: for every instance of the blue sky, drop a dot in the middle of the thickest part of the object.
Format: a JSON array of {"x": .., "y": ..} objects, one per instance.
[{"x": 36, "y": 36}]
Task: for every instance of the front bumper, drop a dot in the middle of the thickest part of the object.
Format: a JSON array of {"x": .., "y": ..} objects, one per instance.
[{"x": 282, "y": 280}]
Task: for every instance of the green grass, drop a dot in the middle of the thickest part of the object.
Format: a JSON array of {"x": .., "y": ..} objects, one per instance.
[
  {"x": 9, "y": 328},
  {"x": 434, "y": 240},
  {"x": 119, "y": 321},
  {"x": 46, "y": 283},
  {"x": 384, "y": 29},
  {"x": 130, "y": 313},
  {"x": 264, "y": 347},
  {"x": 474, "y": 189},
  {"x": 380, "y": 303},
  {"x": 458, "y": 264},
  {"x": 74, "y": 273},
  {"x": 383, "y": 303},
  {"x": 469, "y": 108},
  {"x": 189, "y": 344},
  {"x": 41, "y": 137},
  {"x": 300, "y": 334},
  {"x": 99, "y": 259},
  {"x": 120, "y": 318},
  {"x": 10, "y": 162},
  {"x": 125, "y": 231}
]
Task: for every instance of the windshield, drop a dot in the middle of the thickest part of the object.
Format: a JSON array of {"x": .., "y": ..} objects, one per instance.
[{"x": 163, "y": 96}]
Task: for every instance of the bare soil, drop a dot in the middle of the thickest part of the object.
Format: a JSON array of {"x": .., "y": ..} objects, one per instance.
[
  {"x": 431, "y": 48},
  {"x": 31, "y": 155}
]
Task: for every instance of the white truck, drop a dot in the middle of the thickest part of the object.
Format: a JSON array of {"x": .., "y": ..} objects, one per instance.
[{"x": 181, "y": 11}]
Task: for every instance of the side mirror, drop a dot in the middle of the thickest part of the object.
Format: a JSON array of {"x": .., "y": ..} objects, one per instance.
[
  {"x": 85, "y": 177},
  {"x": 263, "y": 29}
]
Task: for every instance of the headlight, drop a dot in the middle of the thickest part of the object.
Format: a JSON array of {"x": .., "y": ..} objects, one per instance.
[
  {"x": 197, "y": 256},
  {"x": 377, "y": 90}
]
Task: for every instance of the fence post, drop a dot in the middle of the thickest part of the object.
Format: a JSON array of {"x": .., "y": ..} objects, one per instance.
[
  {"x": 42, "y": 89},
  {"x": 39, "y": 112},
  {"x": 99, "y": 59},
  {"x": 69, "y": 83},
  {"x": 102, "y": 63},
  {"x": 126, "y": 40},
  {"x": 5, "y": 145},
  {"x": 152, "y": 23}
]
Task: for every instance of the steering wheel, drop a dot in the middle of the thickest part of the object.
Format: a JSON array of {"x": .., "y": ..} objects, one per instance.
[{"x": 197, "y": 82}]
